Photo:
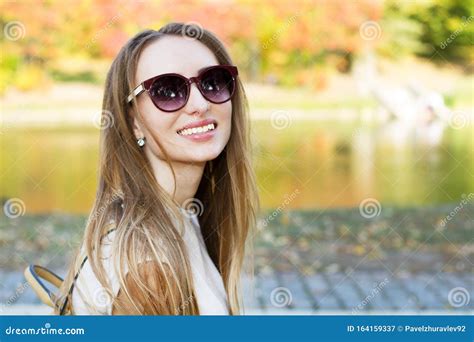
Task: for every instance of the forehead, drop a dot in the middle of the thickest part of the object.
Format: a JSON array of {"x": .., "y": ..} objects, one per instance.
[{"x": 173, "y": 54}]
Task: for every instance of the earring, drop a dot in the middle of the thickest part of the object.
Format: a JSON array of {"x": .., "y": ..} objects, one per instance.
[{"x": 141, "y": 142}]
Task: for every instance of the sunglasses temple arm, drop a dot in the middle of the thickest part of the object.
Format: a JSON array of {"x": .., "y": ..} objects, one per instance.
[{"x": 137, "y": 91}]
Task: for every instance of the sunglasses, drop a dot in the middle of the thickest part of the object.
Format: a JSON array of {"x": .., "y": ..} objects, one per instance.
[{"x": 170, "y": 92}]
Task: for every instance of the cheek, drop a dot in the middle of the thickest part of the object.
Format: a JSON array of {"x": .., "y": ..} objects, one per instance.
[{"x": 156, "y": 120}]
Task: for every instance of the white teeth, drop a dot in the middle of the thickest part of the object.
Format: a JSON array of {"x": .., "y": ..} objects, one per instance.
[{"x": 195, "y": 130}]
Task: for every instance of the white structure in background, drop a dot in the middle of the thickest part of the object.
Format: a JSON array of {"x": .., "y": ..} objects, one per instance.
[{"x": 407, "y": 111}]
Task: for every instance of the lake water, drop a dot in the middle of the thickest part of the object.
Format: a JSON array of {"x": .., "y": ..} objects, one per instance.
[{"x": 308, "y": 164}]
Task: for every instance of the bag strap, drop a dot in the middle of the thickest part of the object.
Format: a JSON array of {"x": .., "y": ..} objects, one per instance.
[
  {"x": 36, "y": 275},
  {"x": 69, "y": 294}
]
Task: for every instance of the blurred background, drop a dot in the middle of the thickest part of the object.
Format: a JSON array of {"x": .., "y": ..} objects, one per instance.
[{"x": 362, "y": 125}]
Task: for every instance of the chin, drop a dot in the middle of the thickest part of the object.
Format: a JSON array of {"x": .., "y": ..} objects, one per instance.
[
  {"x": 199, "y": 154},
  {"x": 204, "y": 157}
]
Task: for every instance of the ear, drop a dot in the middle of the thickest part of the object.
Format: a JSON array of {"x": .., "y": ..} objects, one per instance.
[{"x": 136, "y": 125}]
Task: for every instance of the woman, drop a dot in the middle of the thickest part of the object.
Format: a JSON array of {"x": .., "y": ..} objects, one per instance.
[{"x": 176, "y": 196}]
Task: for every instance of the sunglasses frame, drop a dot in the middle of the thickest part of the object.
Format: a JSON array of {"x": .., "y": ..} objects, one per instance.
[{"x": 146, "y": 85}]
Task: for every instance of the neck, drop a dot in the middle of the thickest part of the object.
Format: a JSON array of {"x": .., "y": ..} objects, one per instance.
[{"x": 188, "y": 177}]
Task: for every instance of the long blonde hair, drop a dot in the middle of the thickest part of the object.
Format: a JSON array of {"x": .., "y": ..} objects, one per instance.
[{"x": 146, "y": 218}]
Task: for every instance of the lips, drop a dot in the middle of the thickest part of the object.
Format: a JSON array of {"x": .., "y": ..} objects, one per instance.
[{"x": 198, "y": 124}]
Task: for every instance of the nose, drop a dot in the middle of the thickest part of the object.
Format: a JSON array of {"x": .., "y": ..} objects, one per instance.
[{"x": 197, "y": 104}]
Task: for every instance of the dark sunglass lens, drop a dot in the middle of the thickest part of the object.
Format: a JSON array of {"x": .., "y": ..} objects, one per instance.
[
  {"x": 217, "y": 85},
  {"x": 169, "y": 93}
]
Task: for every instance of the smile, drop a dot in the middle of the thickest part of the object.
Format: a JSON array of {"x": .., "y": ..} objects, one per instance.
[{"x": 197, "y": 130}]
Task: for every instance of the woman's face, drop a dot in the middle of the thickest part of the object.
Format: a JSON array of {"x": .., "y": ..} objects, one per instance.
[{"x": 184, "y": 56}]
